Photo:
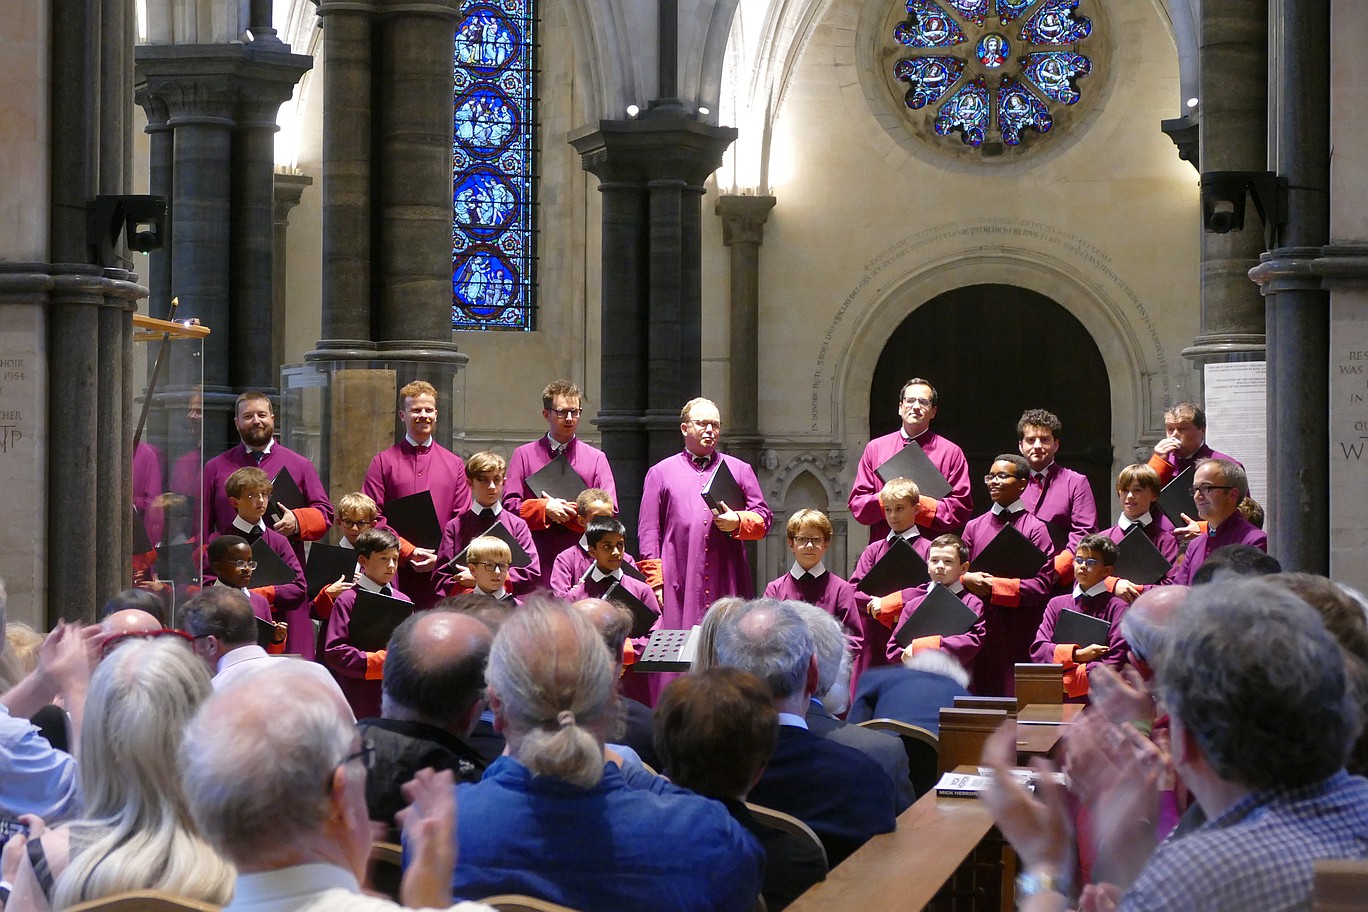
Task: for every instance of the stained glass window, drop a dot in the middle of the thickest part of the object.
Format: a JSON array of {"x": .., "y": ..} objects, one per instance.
[
  {"x": 492, "y": 159},
  {"x": 985, "y": 77}
]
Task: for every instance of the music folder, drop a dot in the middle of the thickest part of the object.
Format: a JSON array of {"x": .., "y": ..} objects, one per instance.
[
  {"x": 1059, "y": 535},
  {"x": 325, "y": 564},
  {"x": 557, "y": 478},
  {"x": 643, "y": 615},
  {"x": 912, "y": 462},
  {"x": 941, "y": 613},
  {"x": 266, "y": 633},
  {"x": 520, "y": 556},
  {"x": 415, "y": 518},
  {"x": 270, "y": 570},
  {"x": 723, "y": 489},
  {"x": 1010, "y": 555},
  {"x": 1140, "y": 562},
  {"x": 374, "y": 617},
  {"x": 900, "y": 568},
  {"x": 1080, "y": 629},
  {"x": 285, "y": 493},
  {"x": 1175, "y": 499}
]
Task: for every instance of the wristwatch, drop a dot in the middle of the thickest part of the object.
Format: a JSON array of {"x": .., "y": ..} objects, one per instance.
[{"x": 1029, "y": 884}]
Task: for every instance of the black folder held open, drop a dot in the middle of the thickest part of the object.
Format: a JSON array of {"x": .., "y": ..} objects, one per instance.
[
  {"x": 520, "y": 557},
  {"x": 941, "y": 613},
  {"x": 374, "y": 617},
  {"x": 1010, "y": 555},
  {"x": 643, "y": 615},
  {"x": 1080, "y": 629},
  {"x": 723, "y": 489},
  {"x": 415, "y": 518},
  {"x": 558, "y": 479},
  {"x": 900, "y": 568},
  {"x": 912, "y": 462},
  {"x": 1176, "y": 499},
  {"x": 1139, "y": 561}
]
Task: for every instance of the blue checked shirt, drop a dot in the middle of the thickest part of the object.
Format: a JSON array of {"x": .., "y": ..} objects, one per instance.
[{"x": 1257, "y": 856}]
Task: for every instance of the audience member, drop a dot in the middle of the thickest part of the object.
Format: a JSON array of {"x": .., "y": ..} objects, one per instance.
[
  {"x": 913, "y": 691},
  {"x": 135, "y": 598},
  {"x": 613, "y": 622}
]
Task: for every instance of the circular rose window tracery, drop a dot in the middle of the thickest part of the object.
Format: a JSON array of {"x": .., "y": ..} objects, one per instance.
[{"x": 992, "y": 69}]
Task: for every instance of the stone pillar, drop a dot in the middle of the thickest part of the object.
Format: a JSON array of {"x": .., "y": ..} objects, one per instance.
[
  {"x": 1232, "y": 82},
  {"x": 651, "y": 174},
  {"x": 743, "y": 231},
  {"x": 161, "y": 152},
  {"x": 1298, "y": 315},
  {"x": 289, "y": 189}
]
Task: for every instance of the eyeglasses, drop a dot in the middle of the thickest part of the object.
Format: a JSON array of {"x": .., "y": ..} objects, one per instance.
[
  {"x": 1087, "y": 563},
  {"x": 914, "y": 400},
  {"x": 998, "y": 476},
  {"x": 491, "y": 566},
  {"x": 1206, "y": 489},
  {"x": 804, "y": 542},
  {"x": 366, "y": 754},
  {"x": 565, "y": 414},
  {"x": 706, "y": 425},
  {"x": 241, "y": 566},
  {"x": 356, "y": 523},
  {"x": 114, "y": 641}
]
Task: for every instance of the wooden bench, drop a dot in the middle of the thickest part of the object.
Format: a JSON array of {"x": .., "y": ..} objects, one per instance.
[{"x": 1039, "y": 684}]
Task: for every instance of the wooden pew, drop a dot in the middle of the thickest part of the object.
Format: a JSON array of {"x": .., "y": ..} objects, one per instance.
[
  {"x": 1006, "y": 704},
  {"x": 1039, "y": 684},
  {"x": 962, "y": 734}
]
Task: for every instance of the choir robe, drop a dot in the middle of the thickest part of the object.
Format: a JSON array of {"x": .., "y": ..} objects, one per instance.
[
  {"x": 1099, "y": 604},
  {"x": 949, "y": 514},
  {"x": 405, "y": 469},
  {"x": 147, "y": 484},
  {"x": 358, "y": 673},
  {"x": 552, "y": 537},
  {"x": 874, "y": 633},
  {"x": 1160, "y": 532},
  {"x": 288, "y": 602},
  {"x": 595, "y": 588},
  {"x": 571, "y": 565},
  {"x": 1234, "y": 530},
  {"x": 260, "y": 607},
  {"x": 1064, "y": 499},
  {"x": 313, "y": 520},
  {"x": 463, "y": 529},
  {"x": 1013, "y": 612},
  {"x": 1170, "y": 464},
  {"x": 827, "y": 591},
  {"x": 963, "y": 646},
  {"x": 682, "y": 550}
]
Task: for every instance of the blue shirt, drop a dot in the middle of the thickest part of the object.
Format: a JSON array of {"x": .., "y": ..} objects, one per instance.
[
  {"x": 609, "y": 847},
  {"x": 1259, "y": 853},
  {"x": 35, "y": 777}
]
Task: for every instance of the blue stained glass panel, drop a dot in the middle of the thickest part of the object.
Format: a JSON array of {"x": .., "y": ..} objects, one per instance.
[
  {"x": 1018, "y": 110},
  {"x": 929, "y": 78},
  {"x": 928, "y": 26},
  {"x": 492, "y": 162},
  {"x": 974, "y": 10},
  {"x": 1011, "y": 10},
  {"x": 1055, "y": 23},
  {"x": 966, "y": 111},
  {"x": 1054, "y": 73}
]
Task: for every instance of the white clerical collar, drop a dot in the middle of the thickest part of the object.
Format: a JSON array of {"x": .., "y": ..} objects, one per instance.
[
  {"x": 243, "y": 525},
  {"x": 1018, "y": 507},
  {"x": 818, "y": 571},
  {"x": 956, "y": 587},
  {"x": 346, "y": 543},
  {"x": 794, "y": 720},
  {"x": 427, "y": 444},
  {"x": 555, "y": 444},
  {"x": 907, "y": 437},
  {"x": 370, "y": 585},
  {"x": 265, "y": 451},
  {"x": 500, "y": 595},
  {"x": 906, "y": 535},
  {"x": 597, "y": 575},
  {"x": 244, "y": 590},
  {"x": 491, "y": 512},
  {"x": 1079, "y": 592},
  {"x": 1125, "y": 522},
  {"x": 584, "y": 542}
]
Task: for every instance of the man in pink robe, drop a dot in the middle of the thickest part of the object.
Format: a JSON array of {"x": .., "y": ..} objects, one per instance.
[
  {"x": 553, "y": 520},
  {"x": 917, "y": 407},
  {"x": 1059, "y": 497}
]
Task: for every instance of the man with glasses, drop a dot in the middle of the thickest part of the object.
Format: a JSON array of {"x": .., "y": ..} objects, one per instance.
[
  {"x": 553, "y": 520},
  {"x": 917, "y": 405},
  {"x": 1217, "y": 489},
  {"x": 693, "y": 555}
]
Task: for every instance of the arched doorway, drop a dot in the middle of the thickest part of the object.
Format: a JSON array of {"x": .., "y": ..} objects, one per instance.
[{"x": 993, "y": 351}]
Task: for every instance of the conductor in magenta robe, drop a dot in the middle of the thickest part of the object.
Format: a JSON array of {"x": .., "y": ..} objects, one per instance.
[
  {"x": 917, "y": 404},
  {"x": 690, "y": 554}
]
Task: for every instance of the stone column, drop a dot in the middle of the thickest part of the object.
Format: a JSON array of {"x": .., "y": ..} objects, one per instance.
[
  {"x": 1233, "y": 93},
  {"x": 161, "y": 152},
  {"x": 346, "y": 179},
  {"x": 1298, "y": 305},
  {"x": 289, "y": 189},
  {"x": 743, "y": 231},
  {"x": 651, "y": 174}
]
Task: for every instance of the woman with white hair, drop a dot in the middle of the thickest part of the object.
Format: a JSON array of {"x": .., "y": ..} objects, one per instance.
[{"x": 136, "y": 832}]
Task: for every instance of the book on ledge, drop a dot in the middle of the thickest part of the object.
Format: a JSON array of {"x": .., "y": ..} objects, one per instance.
[
  {"x": 415, "y": 518},
  {"x": 941, "y": 613},
  {"x": 900, "y": 568},
  {"x": 723, "y": 489},
  {"x": 498, "y": 530},
  {"x": 912, "y": 462},
  {"x": 1010, "y": 555},
  {"x": 558, "y": 479}
]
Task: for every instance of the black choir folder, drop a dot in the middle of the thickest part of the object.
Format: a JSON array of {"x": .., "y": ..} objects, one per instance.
[
  {"x": 270, "y": 570},
  {"x": 900, "y": 568},
  {"x": 557, "y": 478},
  {"x": 285, "y": 494},
  {"x": 912, "y": 462},
  {"x": 325, "y": 564},
  {"x": 941, "y": 613},
  {"x": 520, "y": 556},
  {"x": 1010, "y": 555},
  {"x": 628, "y": 569},
  {"x": 723, "y": 489},
  {"x": 643, "y": 615},
  {"x": 1080, "y": 629},
  {"x": 1140, "y": 562},
  {"x": 374, "y": 617},
  {"x": 415, "y": 518},
  {"x": 1176, "y": 499}
]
